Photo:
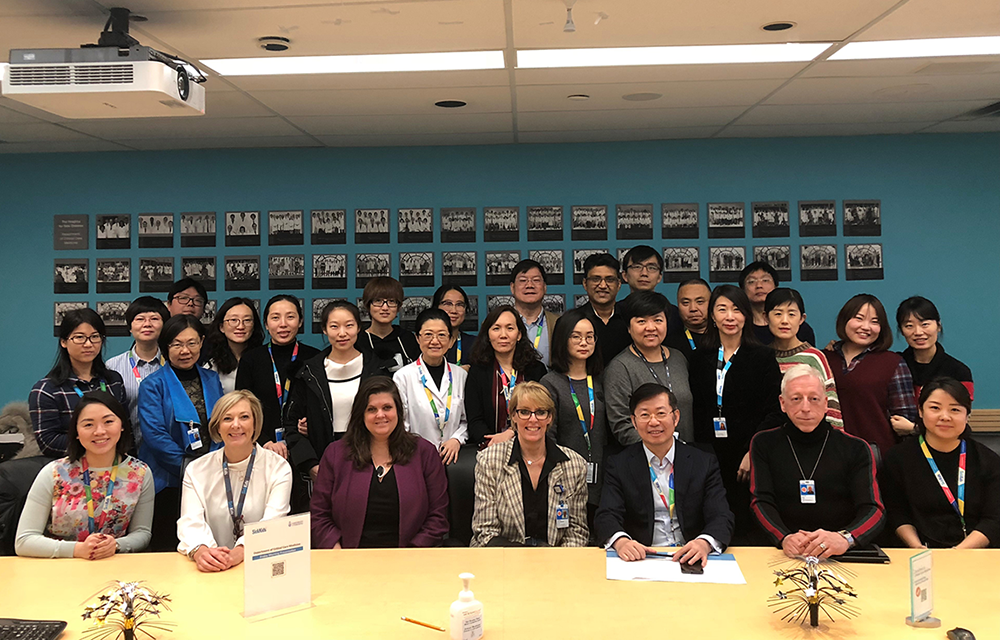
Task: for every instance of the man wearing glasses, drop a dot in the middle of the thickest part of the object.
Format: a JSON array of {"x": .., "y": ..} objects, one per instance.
[
  {"x": 601, "y": 281},
  {"x": 187, "y": 296},
  {"x": 642, "y": 270},
  {"x": 528, "y": 286}
]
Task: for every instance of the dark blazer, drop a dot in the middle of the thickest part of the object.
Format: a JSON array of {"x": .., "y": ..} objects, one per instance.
[
  {"x": 340, "y": 499},
  {"x": 479, "y": 409},
  {"x": 627, "y": 501},
  {"x": 309, "y": 398},
  {"x": 256, "y": 373}
]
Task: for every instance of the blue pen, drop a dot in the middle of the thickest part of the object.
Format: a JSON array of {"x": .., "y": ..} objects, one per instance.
[{"x": 658, "y": 554}]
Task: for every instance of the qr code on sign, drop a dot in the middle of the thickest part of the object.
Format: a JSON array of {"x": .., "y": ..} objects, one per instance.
[{"x": 277, "y": 569}]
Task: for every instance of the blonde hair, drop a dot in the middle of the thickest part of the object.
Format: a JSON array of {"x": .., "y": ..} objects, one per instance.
[
  {"x": 226, "y": 404},
  {"x": 527, "y": 391}
]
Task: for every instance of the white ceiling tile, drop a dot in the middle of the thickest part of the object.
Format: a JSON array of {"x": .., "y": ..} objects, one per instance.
[
  {"x": 192, "y": 127},
  {"x": 952, "y": 66},
  {"x": 894, "y": 112},
  {"x": 234, "y": 104},
  {"x": 445, "y": 123},
  {"x": 157, "y": 144},
  {"x": 670, "y": 73},
  {"x": 928, "y": 88},
  {"x": 611, "y": 135},
  {"x": 61, "y": 146},
  {"x": 152, "y": 6},
  {"x": 11, "y": 115},
  {"x": 938, "y": 19},
  {"x": 675, "y": 94},
  {"x": 981, "y": 125},
  {"x": 809, "y": 130},
  {"x": 346, "y": 81},
  {"x": 626, "y": 119},
  {"x": 38, "y": 131},
  {"x": 47, "y": 8},
  {"x": 418, "y": 139},
  {"x": 384, "y": 101}
]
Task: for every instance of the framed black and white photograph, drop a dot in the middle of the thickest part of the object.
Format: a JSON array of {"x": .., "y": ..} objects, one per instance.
[
  {"x": 211, "y": 306},
  {"x": 552, "y": 261},
  {"x": 501, "y": 224},
  {"x": 318, "y": 305},
  {"x": 328, "y": 226},
  {"x": 726, "y": 220},
  {"x": 371, "y": 226},
  {"x": 242, "y": 273},
  {"x": 471, "y": 323},
  {"x": 286, "y": 272},
  {"x": 770, "y": 219},
  {"x": 621, "y": 254},
  {"x": 589, "y": 222},
  {"x": 371, "y": 265},
  {"x": 415, "y": 225},
  {"x": 817, "y": 262},
  {"x": 817, "y": 218},
  {"x": 242, "y": 228},
  {"x": 778, "y": 256},
  {"x": 410, "y": 309},
  {"x": 366, "y": 318},
  {"x": 113, "y": 314},
  {"x": 156, "y": 230},
  {"x": 458, "y": 224},
  {"x": 284, "y": 228},
  {"x": 492, "y": 302},
  {"x": 861, "y": 218},
  {"x": 416, "y": 269},
  {"x": 200, "y": 268},
  {"x": 680, "y": 221},
  {"x": 635, "y": 221},
  {"x": 554, "y": 303},
  {"x": 499, "y": 264},
  {"x": 198, "y": 229},
  {"x": 70, "y": 275},
  {"x": 725, "y": 263},
  {"x": 681, "y": 263},
  {"x": 155, "y": 274},
  {"x": 329, "y": 271},
  {"x": 60, "y": 309},
  {"x": 580, "y": 299},
  {"x": 579, "y": 258},
  {"x": 458, "y": 268},
  {"x": 114, "y": 232},
  {"x": 863, "y": 261},
  {"x": 114, "y": 275},
  {"x": 545, "y": 223}
]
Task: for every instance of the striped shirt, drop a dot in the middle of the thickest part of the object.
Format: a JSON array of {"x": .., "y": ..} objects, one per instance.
[
  {"x": 123, "y": 367},
  {"x": 805, "y": 353},
  {"x": 51, "y": 407}
]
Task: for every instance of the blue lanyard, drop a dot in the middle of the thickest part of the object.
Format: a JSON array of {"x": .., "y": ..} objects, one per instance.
[
  {"x": 957, "y": 505},
  {"x": 79, "y": 392},
  {"x": 236, "y": 513},
  {"x": 720, "y": 376},
  {"x": 277, "y": 379}
]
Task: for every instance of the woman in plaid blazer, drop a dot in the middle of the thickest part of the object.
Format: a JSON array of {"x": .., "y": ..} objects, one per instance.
[{"x": 529, "y": 490}]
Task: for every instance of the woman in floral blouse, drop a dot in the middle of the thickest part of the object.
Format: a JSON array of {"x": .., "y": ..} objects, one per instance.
[{"x": 98, "y": 500}]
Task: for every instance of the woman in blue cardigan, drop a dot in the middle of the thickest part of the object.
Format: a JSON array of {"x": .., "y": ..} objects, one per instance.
[{"x": 174, "y": 405}]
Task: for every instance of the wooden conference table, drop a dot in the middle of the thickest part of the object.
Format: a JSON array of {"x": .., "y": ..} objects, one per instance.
[{"x": 527, "y": 593}]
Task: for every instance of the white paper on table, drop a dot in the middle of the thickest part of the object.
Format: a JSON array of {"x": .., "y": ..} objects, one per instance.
[
  {"x": 720, "y": 569},
  {"x": 277, "y": 570}
]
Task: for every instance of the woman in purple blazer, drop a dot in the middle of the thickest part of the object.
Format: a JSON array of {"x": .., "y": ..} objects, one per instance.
[{"x": 379, "y": 486}]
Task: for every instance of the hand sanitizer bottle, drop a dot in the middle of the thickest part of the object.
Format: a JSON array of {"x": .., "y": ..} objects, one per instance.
[{"x": 466, "y": 613}]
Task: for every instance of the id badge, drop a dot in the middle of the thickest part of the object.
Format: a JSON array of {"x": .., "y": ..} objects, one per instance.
[
  {"x": 194, "y": 437},
  {"x": 562, "y": 517},
  {"x": 720, "y": 427},
  {"x": 807, "y": 491},
  {"x": 591, "y": 473},
  {"x": 279, "y": 434}
]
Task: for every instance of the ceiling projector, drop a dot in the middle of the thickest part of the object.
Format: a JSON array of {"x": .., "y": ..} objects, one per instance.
[{"x": 116, "y": 78}]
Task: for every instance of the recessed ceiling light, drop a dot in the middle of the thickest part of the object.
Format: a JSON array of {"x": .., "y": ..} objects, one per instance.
[
  {"x": 778, "y": 26},
  {"x": 648, "y": 56},
  {"x": 578, "y": 96},
  {"x": 922, "y": 48},
  {"x": 450, "y": 104},
  {"x": 377, "y": 63},
  {"x": 274, "y": 43},
  {"x": 641, "y": 97}
]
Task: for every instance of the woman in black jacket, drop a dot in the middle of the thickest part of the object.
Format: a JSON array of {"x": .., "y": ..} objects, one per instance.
[{"x": 735, "y": 366}]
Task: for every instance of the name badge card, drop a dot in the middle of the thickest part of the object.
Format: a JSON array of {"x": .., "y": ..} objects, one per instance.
[
  {"x": 277, "y": 570},
  {"x": 807, "y": 491},
  {"x": 921, "y": 592},
  {"x": 562, "y": 517},
  {"x": 591, "y": 473},
  {"x": 720, "y": 427},
  {"x": 194, "y": 437}
]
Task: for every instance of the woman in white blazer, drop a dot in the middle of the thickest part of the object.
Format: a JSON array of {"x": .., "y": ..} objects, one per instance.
[{"x": 433, "y": 390}]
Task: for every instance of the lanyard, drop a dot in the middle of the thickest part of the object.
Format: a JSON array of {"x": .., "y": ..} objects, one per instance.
[
  {"x": 79, "y": 392},
  {"x": 237, "y": 513},
  {"x": 663, "y": 355},
  {"x": 541, "y": 325},
  {"x": 690, "y": 338},
  {"x": 957, "y": 505},
  {"x": 277, "y": 379},
  {"x": 508, "y": 382},
  {"x": 133, "y": 361},
  {"x": 430, "y": 397},
  {"x": 91, "y": 525},
  {"x": 668, "y": 499},
  {"x": 815, "y": 466},
  {"x": 720, "y": 376},
  {"x": 579, "y": 409},
  {"x": 458, "y": 348}
]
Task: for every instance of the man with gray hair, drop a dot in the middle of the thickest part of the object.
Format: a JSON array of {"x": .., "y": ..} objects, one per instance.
[{"x": 813, "y": 486}]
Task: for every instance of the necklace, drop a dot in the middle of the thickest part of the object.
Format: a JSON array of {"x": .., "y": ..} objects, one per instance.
[{"x": 531, "y": 462}]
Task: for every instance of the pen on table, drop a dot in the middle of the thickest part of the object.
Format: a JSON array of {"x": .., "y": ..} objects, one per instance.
[
  {"x": 422, "y": 624},
  {"x": 659, "y": 554}
]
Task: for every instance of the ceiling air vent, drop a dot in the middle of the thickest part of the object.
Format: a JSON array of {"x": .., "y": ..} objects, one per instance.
[{"x": 989, "y": 111}]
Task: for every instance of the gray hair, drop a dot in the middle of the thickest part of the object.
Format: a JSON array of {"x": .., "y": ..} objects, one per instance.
[{"x": 799, "y": 371}]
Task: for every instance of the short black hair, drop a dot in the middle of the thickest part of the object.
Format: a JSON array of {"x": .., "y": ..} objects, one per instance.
[
  {"x": 186, "y": 283},
  {"x": 431, "y": 313},
  {"x": 174, "y": 326},
  {"x": 559, "y": 347},
  {"x": 332, "y": 306},
  {"x": 74, "y": 448},
  {"x": 783, "y": 295},
  {"x": 281, "y": 297},
  {"x": 527, "y": 265},
  {"x": 693, "y": 281},
  {"x": 758, "y": 265},
  {"x": 641, "y": 253},
  {"x": 146, "y": 304},
  {"x": 919, "y": 307},
  {"x": 595, "y": 260},
  {"x": 445, "y": 288},
  {"x": 851, "y": 308},
  {"x": 642, "y": 304},
  {"x": 648, "y": 391},
  {"x": 953, "y": 388}
]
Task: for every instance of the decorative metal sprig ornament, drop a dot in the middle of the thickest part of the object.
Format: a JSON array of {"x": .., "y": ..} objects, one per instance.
[
  {"x": 124, "y": 609},
  {"x": 815, "y": 588}
]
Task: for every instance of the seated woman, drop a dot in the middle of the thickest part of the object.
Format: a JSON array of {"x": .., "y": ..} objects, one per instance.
[
  {"x": 79, "y": 368},
  {"x": 453, "y": 300},
  {"x": 379, "y": 486},
  {"x": 503, "y": 358},
  {"x": 235, "y": 330},
  {"x": 382, "y": 298},
  {"x": 174, "y": 406},
  {"x": 95, "y": 502},
  {"x": 962, "y": 511},
  {"x": 432, "y": 390},
  {"x": 254, "y": 484},
  {"x": 529, "y": 490},
  {"x": 919, "y": 322}
]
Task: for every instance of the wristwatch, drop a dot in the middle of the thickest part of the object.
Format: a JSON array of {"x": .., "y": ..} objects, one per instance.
[{"x": 850, "y": 539}]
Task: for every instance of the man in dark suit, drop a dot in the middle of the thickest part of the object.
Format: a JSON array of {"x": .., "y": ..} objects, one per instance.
[{"x": 661, "y": 492}]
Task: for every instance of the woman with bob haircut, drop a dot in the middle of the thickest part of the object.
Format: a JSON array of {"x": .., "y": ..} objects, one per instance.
[
  {"x": 382, "y": 298},
  {"x": 919, "y": 323}
]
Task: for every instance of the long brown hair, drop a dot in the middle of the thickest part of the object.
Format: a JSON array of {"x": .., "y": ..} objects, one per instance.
[{"x": 402, "y": 444}]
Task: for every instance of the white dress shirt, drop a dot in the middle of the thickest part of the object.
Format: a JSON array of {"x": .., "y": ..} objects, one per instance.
[
  {"x": 122, "y": 364},
  {"x": 344, "y": 381},
  {"x": 418, "y": 417}
]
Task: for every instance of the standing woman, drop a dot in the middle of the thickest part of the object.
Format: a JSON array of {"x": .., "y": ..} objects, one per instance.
[
  {"x": 576, "y": 385},
  {"x": 735, "y": 383},
  {"x": 267, "y": 370},
  {"x": 95, "y": 502},
  {"x": 941, "y": 488},
  {"x": 646, "y": 360},
  {"x": 379, "y": 486},
  {"x": 174, "y": 406},
  {"x": 920, "y": 323},
  {"x": 874, "y": 384},
  {"x": 502, "y": 358},
  {"x": 390, "y": 343},
  {"x": 432, "y": 390},
  {"x": 235, "y": 330},
  {"x": 79, "y": 368},
  {"x": 453, "y": 300}
]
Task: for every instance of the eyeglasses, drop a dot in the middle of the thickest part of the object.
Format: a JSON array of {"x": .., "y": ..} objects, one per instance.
[
  {"x": 609, "y": 280},
  {"x": 537, "y": 281},
  {"x": 588, "y": 338},
  {"x": 430, "y": 335},
  {"x": 645, "y": 417},
  {"x": 385, "y": 302},
  {"x": 188, "y": 300},
  {"x": 648, "y": 268},
  {"x": 190, "y": 345},
  {"x": 753, "y": 282},
  {"x": 448, "y": 304},
  {"x": 79, "y": 338},
  {"x": 524, "y": 414},
  {"x": 238, "y": 322}
]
